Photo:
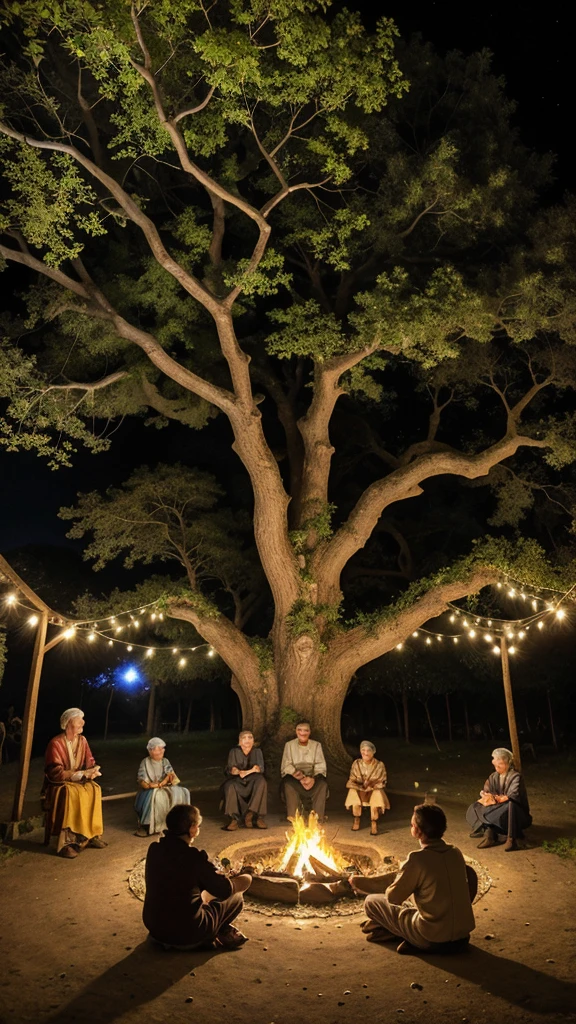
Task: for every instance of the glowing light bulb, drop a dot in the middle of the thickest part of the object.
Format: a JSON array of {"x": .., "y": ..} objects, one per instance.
[
  {"x": 118, "y": 629},
  {"x": 136, "y": 623},
  {"x": 70, "y": 633},
  {"x": 455, "y": 639},
  {"x": 428, "y": 640},
  {"x": 521, "y": 634},
  {"x": 523, "y": 596},
  {"x": 33, "y": 620},
  {"x": 91, "y": 637},
  {"x": 535, "y": 605},
  {"x": 472, "y": 633},
  {"x": 465, "y": 623},
  {"x": 496, "y": 650},
  {"x": 399, "y": 647},
  {"x": 161, "y": 617},
  {"x": 149, "y": 652},
  {"x": 174, "y": 650},
  {"x": 439, "y": 638},
  {"x": 11, "y": 599},
  {"x": 488, "y": 638},
  {"x": 560, "y": 614},
  {"x": 112, "y": 621},
  {"x": 153, "y": 616},
  {"x": 129, "y": 648},
  {"x": 499, "y": 585},
  {"x": 452, "y": 618},
  {"x": 110, "y": 643},
  {"x": 142, "y": 610},
  {"x": 511, "y": 650},
  {"x": 211, "y": 652},
  {"x": 489, "y": 623},
  {"x": 510, "y": 635},
  {"x": 415, "y": 633},
  {"x": 540, "y": 624},
  {"x": 182, "y": 662}
]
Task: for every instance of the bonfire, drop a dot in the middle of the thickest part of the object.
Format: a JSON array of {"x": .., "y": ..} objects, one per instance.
[{"x": 307, "y": 852}]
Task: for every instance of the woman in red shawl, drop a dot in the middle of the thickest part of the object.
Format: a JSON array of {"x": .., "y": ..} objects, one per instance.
[{"x": 73, "y": 800}]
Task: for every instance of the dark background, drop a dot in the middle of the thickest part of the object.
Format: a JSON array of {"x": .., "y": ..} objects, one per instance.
[{"x": 530, "y": 48}]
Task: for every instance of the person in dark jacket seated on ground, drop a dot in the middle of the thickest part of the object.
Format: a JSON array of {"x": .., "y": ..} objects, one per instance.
[
  {"x": 179, "y": 881},
  {"x": 503, "y": 808}
]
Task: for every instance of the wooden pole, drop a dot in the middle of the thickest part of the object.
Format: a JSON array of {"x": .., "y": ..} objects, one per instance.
[
  {"x": 108, "y": 711},
  {"x": 510, "y": 704},
  {"x": 30, "y": 716}
]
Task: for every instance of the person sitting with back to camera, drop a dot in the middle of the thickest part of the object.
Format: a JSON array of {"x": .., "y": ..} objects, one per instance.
[
  {"x": 179, "y": 879},
  {"x": 441, "y": 884}
]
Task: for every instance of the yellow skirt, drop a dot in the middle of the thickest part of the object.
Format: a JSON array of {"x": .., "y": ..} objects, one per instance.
[
  {"x": 374, "y": 798},
  {"x": 78, "y": 806}
]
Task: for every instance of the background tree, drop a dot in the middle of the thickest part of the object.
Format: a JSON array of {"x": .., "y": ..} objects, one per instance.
[{"x": 177, "y": 178}]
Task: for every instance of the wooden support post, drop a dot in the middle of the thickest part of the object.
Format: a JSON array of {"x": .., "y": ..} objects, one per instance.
[
  {"x": 30, "y": 716},
  {"x": 510, "y": 704}
]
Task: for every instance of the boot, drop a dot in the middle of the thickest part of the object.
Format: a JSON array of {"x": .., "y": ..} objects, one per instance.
[
  {"x": 355, "y": 824},
  {"x": 231, "y": 826},
  {"x": 510, "y": 845},
  {"x": 489, "y": 840},
  {"x": 248, "y": 819}
]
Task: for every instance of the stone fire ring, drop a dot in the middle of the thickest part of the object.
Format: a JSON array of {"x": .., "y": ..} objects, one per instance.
[{"x": 367, "y": 854}]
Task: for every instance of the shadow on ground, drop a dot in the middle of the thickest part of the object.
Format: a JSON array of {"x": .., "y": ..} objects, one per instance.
[{"x": 140, "y": 978}]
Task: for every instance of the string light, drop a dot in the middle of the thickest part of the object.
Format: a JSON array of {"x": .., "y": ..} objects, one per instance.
[
  {"x": 182, "y": 662},
  {"x": 33, "y": 620},
  {"x": 472, "y": 633},
  {"x": 11, "y": 599},
  {"x": 149, "y": 652},
  {"x": 91, "y": 637},
  {"x": 560, "y": 614},
  {"x": 70, "y": 633},
  {"x": 511, "y": 650},
  {"x": 399, "y": 647},
  {"x": 129, "y": 648}
]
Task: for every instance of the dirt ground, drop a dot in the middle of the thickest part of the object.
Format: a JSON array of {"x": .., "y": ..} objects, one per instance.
[{"x": 73, "y": 947}]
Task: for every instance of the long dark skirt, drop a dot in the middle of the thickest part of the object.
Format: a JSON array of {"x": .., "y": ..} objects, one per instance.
[
  {"x": 242, "y": 795},
  {"x": 507, "y": 819}
]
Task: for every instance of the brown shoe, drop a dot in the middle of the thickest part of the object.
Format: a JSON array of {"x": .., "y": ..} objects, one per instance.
[
  {"x": 142, "y": 831},
  {"x": 231, "y": 826},
  {"x": 68, "y": 852},
  {"x": 248, "y": 819},
  {"x": 230, "y": 938},
  {"x": 510, "y": 845},
  {"x": 260, "y": 823},
  {"x": 489, "y": 840},
  {"x": 356, "y": 824},
  {"x": 97, "y": 843}
]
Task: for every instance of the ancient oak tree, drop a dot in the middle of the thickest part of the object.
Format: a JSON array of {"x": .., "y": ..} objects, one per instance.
[{"x": 260, "y": 209}]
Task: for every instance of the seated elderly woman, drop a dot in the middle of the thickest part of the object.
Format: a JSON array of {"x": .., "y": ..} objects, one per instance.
[
  {"x": 245, "y": 790},
  {"x": 366, "y": 787},
  {"x": 159, "y": 789},
  {"x": 503, "y": 807},
  {"x": 72, "y": 800}
]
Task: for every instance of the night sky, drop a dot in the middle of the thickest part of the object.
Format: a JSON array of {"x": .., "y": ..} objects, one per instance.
[{"x": 530, "y": 47}]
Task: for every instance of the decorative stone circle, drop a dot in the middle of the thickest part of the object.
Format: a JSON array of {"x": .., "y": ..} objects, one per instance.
[{"x": 365, "y": 856}]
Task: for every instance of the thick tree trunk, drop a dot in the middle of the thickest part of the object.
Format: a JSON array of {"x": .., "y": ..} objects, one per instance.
[
  {"x": 150, "y": 717},
  {"x": 449, "y": 717}
]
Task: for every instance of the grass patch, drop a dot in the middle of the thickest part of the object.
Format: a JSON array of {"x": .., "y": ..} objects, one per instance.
[
  {"x": 6, "y": 852},
  {"x": 565, "y": 848}
]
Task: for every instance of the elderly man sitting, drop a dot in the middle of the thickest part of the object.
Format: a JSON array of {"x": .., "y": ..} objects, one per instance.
[
  {"x": 73, "y": 800},
  {"x": 303, "y": 771},
  {"x": 442, "y": 887}
]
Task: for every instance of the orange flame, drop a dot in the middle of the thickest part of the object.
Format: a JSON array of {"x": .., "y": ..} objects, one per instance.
[{"x": 305, "y": 841}]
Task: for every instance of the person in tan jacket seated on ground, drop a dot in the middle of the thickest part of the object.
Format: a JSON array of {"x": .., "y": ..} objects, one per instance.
[{"x": 441, "y": 884}]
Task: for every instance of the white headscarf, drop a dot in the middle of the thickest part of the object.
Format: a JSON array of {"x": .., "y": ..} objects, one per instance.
[
  {"x": 366, "y": 744},
  {"x": 155, "y": 742},
  {"x": 67, "y": 715}
]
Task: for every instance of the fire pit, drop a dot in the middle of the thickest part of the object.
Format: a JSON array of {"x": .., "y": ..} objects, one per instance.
[{"x": 307, "y": 871}]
